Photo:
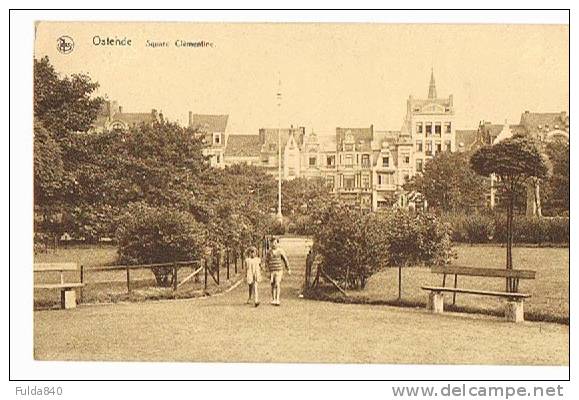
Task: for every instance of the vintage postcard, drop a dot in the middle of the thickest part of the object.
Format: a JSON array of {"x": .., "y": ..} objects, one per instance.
[{"x": 359, "y": 193}]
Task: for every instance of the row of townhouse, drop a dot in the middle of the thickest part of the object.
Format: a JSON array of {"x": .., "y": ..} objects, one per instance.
[{"x": 365, "y": 166}]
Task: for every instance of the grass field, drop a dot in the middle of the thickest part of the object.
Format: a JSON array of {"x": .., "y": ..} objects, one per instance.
[
  {"x": 223, "y": 328},
  {"x": 549, "y": 291}
]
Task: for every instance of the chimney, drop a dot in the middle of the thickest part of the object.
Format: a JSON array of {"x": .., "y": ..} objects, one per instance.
[
  {"x": 190, "y": 119},
  {"x": 120, "y": 109},
  {"x": 160, "y": 115}
]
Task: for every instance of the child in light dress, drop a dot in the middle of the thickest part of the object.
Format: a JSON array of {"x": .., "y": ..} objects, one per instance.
[{"x": 253, "y": 270}]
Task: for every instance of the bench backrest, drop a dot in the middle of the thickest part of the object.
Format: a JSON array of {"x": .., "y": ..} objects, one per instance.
[
  {"x": 43, "y": 267},
  {"x": 488, "y": 272}
]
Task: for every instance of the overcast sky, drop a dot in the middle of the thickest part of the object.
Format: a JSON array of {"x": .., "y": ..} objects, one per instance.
[{"x": 349, "y": 75}]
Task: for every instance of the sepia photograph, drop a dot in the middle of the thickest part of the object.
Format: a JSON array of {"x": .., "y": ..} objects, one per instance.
[{"x": 323, "y": 192}]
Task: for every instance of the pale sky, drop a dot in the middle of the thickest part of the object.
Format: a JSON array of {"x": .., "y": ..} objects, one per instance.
[{"x": 348, "y": 75}]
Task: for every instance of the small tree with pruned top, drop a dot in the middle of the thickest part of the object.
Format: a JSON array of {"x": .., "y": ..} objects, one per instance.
[{"x": 514, "y": 161}]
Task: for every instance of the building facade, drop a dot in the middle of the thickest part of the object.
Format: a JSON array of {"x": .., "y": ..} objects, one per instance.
[
  {"x": 367, "y": 168},
  {"x": 214, "y": 130}
]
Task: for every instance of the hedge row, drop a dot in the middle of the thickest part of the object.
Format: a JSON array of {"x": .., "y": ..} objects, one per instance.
[{"x": 483, "y": 228}]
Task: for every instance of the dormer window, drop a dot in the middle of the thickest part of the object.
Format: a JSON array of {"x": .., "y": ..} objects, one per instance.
[
  {"x": 216, "y": 138},
  {"x": 385, "y": 162}
]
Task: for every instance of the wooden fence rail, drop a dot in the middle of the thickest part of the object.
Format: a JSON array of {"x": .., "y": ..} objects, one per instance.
[{"x": 209, "y": 266}]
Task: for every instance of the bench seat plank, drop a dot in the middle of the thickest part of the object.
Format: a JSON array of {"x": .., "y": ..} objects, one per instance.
[
  {"x": 71, "y": 285},
  {"x": 476, "y": 291},
  {"x": 488, "y": 272}
]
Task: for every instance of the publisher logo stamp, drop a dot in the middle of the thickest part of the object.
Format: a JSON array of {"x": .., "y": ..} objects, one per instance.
[{"x": 65, "y": 44}]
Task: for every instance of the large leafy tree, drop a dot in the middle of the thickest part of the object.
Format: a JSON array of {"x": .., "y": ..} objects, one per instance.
[
  {"x": 449, "y": 184},
  {"x": 514, "y": 161},
  {"x": 555, "y": 191},
  {"x": 63, "y": 104}
]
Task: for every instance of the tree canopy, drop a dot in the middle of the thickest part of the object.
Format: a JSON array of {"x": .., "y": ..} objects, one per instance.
[{"x": 448, "y": 183}]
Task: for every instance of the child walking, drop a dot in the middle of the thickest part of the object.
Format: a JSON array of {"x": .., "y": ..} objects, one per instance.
[{"x": 253, "y": 266}]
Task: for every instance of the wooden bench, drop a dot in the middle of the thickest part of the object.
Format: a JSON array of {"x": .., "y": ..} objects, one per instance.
[
  {"x": 67, "y": 289},
  {"x": 514, "y": 310}
]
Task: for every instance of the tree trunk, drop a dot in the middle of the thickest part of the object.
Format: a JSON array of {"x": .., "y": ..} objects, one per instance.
[
  {"x": 399, "y": 283},
  {"x": 510, "y": 212}
]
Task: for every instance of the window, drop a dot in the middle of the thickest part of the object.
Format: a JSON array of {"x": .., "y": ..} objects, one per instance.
[
  {"x": 349, "y": 182},
  {"x": 419, "y": 127},
  {"x": 385, "y": 162},
  {"x": 312, "y": 161},
  {"x": 447, "y": 127},
  {"x": 419, "y": 145},
  {"x": 385, "y": 179},
  {"x": 428, "y": 148},
  {"x": 330, "y": 182},
  {"x": 429, "y": 128},
  {"x": 216, "y": 138},
  {"x": 437, "y": 128},
  {"x": 448, "y": 145},
  {"x": 331, "y": 161},
  {"x": 406, "y": 159},
  {"x": 419, "y": 165},
  {"x": 365, "y": 160},
  {"x": 218, "y": 158},
  {"x": 438, "y": 147},
  {"x": 349, "y": 160},
  {"x": 365, "y": 181}
]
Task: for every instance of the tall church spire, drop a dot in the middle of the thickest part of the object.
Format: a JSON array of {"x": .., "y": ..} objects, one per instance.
[{"x": 432, "y": 86}]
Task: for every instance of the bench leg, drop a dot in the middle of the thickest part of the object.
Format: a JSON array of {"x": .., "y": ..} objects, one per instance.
[
  {"x": 514, "y": 311},
  {"x": 67, "y": 299},
  {"x": 436, "y": 302}
]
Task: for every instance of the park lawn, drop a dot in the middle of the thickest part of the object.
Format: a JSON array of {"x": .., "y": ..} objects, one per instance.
[
  {"x": 225, "y": 329},
  {"x": 549, "y": 291}
]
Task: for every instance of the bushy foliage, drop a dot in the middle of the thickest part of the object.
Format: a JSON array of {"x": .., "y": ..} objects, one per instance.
[
  {"x": 492, "y": 228},
  {"x": 555, "y": 192},
  {"x": 355, "y": 245},
  {"x": 459, "y": 189},
  {"x": 352, "y": 244},
  {"x": 149, "y": 235},
  {"x": 416, "y": 239}
]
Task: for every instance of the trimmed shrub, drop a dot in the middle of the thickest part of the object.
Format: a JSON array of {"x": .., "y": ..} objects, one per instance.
[{"x": 149, "y": 235}]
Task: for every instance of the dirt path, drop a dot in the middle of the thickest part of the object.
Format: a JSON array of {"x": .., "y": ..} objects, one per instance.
[{"x": 224, "y": 328}]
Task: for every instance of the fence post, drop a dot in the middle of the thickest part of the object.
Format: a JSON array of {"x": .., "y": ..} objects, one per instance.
[
  {"x": 175, "y": 276},
  {"x": 128, "y": 280},
  {"x": 227, "y": 261},
  {"x": 235, "y": 255},
  {"x": 81, "y": 281},
  {"x": 205, "y": 285},
  {"x": 218, "y": 254}
]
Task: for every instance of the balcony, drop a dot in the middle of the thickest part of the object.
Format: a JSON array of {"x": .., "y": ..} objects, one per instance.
[{"x": 355, "y": 190}]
